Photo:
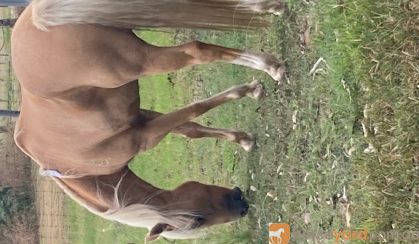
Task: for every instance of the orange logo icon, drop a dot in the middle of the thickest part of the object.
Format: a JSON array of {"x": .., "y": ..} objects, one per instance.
[{"x": 279, "y": 233}]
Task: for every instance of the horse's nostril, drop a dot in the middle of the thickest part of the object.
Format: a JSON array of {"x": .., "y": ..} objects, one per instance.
[
  {"x": 236, "y": 202},
  {"x": 237, "y": 193},
  {"x": 244, "y": 210}
]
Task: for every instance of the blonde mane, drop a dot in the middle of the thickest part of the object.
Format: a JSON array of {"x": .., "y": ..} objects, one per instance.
[{"x": 140, "y": 215}]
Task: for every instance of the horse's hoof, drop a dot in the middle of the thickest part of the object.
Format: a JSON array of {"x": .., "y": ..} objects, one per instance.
[
  {"x": 274, "y": 67},
  {"x": 248, "y": 144},
  {"x": 277, "y": 72},
  {"x": 257, "y": 91},
  {"x": 275, "y": 8}
]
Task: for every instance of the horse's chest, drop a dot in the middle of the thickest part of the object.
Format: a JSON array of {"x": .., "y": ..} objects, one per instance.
[{"x": 113, "y": 108}]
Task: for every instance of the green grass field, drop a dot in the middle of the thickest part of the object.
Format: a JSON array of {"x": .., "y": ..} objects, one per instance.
[{"x": 312, "y": 131}]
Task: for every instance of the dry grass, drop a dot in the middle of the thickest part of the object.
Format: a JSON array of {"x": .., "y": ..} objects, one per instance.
[{"x": 374, "y": 47}]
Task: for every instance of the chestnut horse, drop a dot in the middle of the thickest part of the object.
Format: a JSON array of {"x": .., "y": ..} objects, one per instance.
[{"x": 78, "y": 62}]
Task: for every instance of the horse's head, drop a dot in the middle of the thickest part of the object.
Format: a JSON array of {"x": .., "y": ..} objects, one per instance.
[
  {"x": 208, "y": 205},
  {"x": 212, "y": 204}
]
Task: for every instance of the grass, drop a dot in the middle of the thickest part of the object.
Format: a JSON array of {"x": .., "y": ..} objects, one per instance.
[{"x": 312, "y": 132}]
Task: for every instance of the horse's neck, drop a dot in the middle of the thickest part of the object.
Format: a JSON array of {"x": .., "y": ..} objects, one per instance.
[{"x": 109, "y": 192}]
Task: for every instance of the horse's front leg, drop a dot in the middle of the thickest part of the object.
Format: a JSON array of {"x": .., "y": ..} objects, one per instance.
[
  {"x": 154, "y": 130},
  {"x": 194, "y": 130},
  {"x": 167, "y": 59}
]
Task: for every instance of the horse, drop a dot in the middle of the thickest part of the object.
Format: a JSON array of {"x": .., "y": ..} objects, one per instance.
[{"x": 78, "y": 64}]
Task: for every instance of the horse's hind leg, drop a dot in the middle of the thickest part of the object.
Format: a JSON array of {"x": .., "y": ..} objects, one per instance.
[
  {"x": 154, "y": 130},
  {"x": 167, "y": 59},
  {"x": 130, "y": 57},
  {"x": 194, "y": 130}
]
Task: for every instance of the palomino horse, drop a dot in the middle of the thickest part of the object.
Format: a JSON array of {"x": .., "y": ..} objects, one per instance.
[{"x": 78, "y": 62}]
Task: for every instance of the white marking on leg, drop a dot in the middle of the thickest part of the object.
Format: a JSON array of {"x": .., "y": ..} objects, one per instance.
[
  {"x": 233, "y": 95},
  {"x": 257, "y": 90},
  {"x": 247, "y": 145},
  {"x": 263, "y": 6},
  {"x": 263, "y": 62},
  {"x": 230, "y": 136},
  {"x": 251, "y": 60},
  {"x": 254, "y": 5}
]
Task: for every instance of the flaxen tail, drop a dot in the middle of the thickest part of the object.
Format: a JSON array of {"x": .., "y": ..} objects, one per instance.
[{"x": 132, "y": 14}]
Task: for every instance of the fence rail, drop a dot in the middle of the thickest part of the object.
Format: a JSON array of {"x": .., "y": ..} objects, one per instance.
[
  {"x": 14, "y": 3},
  {"x": 9, "y": 113}
]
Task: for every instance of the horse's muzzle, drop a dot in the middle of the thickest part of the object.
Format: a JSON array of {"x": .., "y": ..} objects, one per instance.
[{"x": 239, "y": 203}]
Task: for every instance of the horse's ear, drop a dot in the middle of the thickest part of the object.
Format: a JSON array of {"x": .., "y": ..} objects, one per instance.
[{"x": 155, "y": 232}]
